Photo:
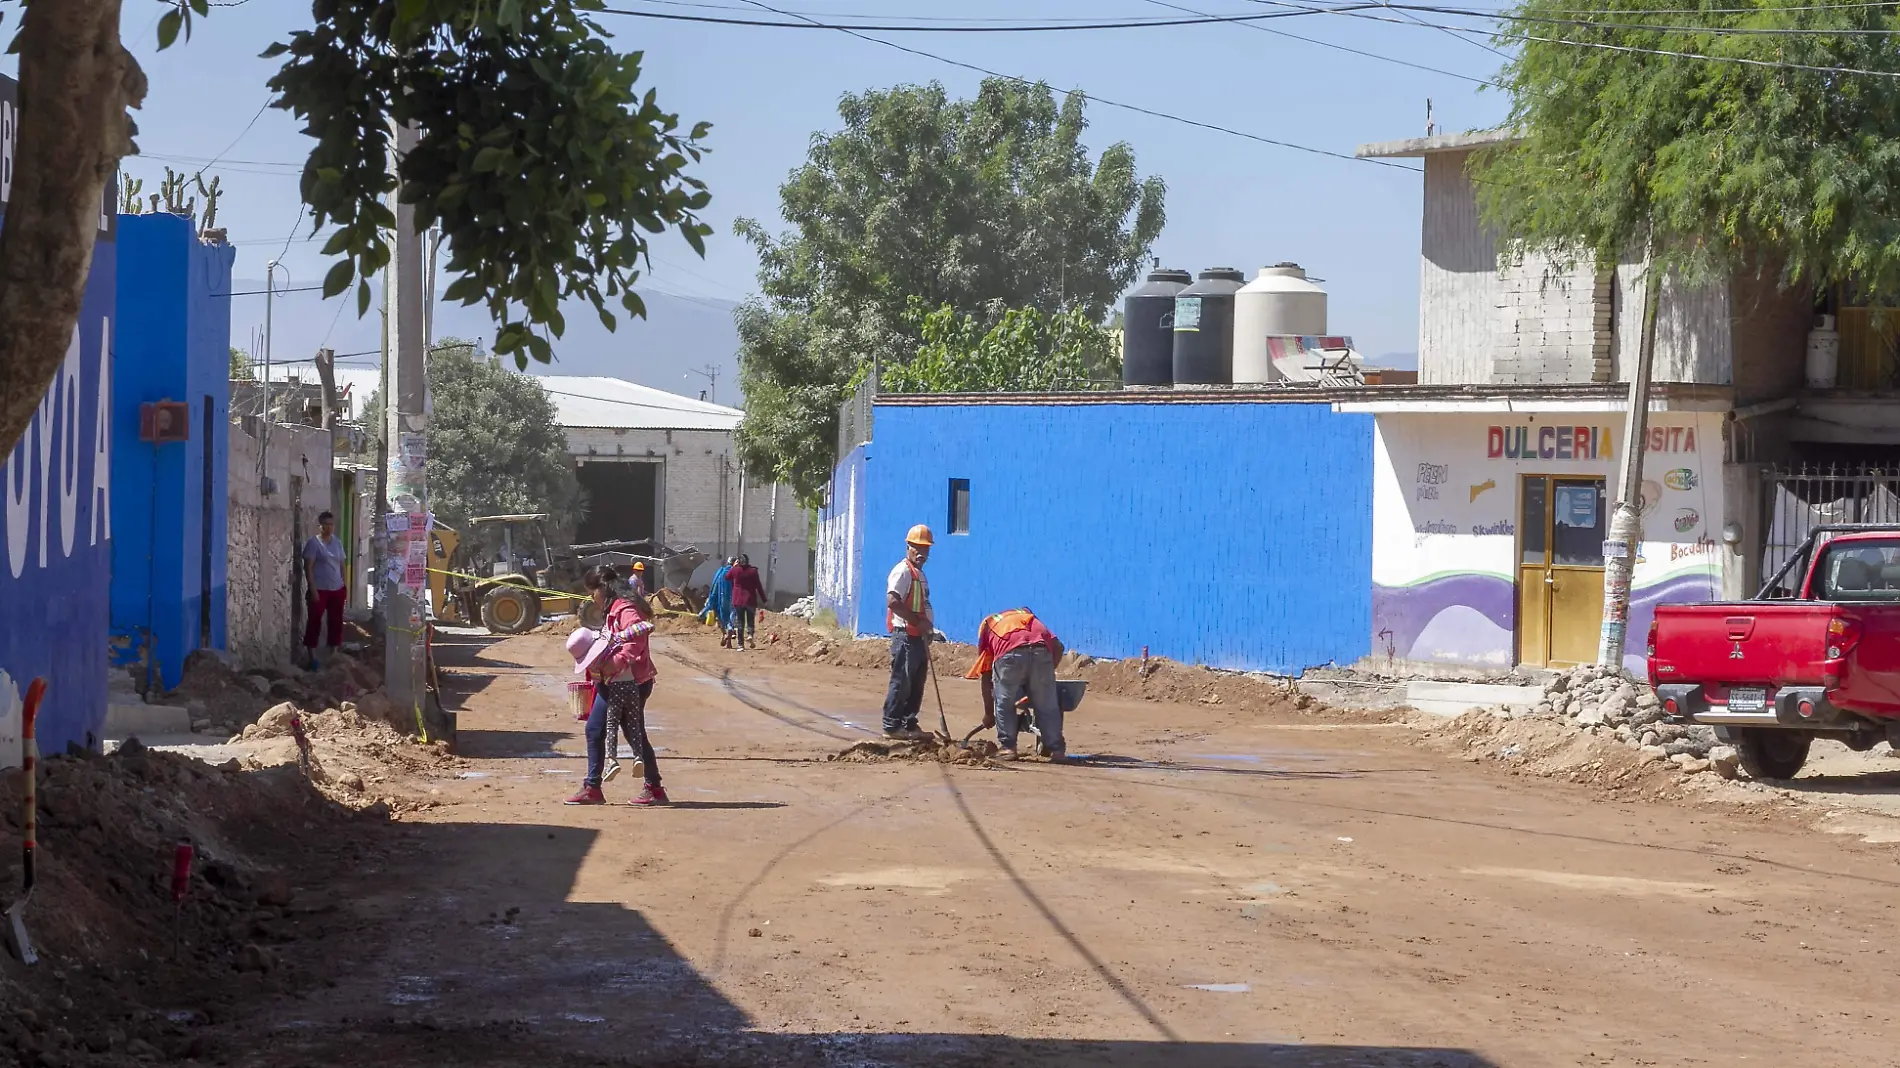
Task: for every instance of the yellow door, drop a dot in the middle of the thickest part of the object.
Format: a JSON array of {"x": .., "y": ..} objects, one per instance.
[{"x": 1560, "y": 569}]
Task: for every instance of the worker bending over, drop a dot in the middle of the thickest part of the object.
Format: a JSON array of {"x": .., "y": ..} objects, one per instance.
[{"x": 1016, "y": 657}]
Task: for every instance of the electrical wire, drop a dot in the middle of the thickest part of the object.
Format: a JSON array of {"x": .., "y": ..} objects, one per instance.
[
  {"x": 809, "y": 23},
  {"x": 1104, "y": 101},
  {"x": 1723, "y": 31},
  {"x": 1343, "y": 48}
]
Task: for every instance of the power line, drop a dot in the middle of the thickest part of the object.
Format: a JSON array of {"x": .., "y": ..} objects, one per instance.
[
  {"x": 808, "y": 23},
  {"x": 1104, "y": 101},
  {"x": 1724, "y": 31},
  {"x": 263, "y": 292},
  {"x": 1343, "y": 48}
]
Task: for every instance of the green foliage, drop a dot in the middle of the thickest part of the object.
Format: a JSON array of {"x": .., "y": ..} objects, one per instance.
[
  {"x": 969, "y": 205},
  {"x": 539, "y": 159},
  {"x": 495, "y": 444},
  {"x": 1717, "y": 166},
  {"x": 1023, "y": 351},
  {"x": 241, "y": 366}
]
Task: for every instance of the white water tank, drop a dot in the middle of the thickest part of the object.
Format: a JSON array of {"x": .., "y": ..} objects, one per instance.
[
  {"x": 1279, "y": 302},
  {"x": 1824, "y": 355}
]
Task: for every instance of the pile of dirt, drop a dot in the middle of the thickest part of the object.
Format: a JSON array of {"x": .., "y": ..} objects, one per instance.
[
  {"x": 1153, "y": 679},
  {"x": 223, "y": 699},
  {"x": 980, "y": 753},
  {"x": 127, "y": 975},
  {"x": 354, "y": 751}
]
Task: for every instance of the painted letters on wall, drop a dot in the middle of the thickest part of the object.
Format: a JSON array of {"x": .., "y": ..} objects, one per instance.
[{"x": 56, "y": 518}]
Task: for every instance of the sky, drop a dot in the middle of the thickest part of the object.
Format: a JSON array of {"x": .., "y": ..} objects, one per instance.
[{"x": 1232, "y": 201}]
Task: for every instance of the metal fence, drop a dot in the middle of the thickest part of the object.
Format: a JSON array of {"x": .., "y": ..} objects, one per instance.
[
  {"x": 854, "y": 416},
  {"x": 1801, "y": 498}
]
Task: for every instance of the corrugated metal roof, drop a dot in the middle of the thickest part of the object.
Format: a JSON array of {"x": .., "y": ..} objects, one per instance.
[{"x": 612, "y": 404}]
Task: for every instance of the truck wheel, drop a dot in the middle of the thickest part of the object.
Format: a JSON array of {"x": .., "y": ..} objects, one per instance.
[
  {"x": 1767, "y": 753},
  {"x": 510, "y": 610},
  {"x": 591, "y": 615}
]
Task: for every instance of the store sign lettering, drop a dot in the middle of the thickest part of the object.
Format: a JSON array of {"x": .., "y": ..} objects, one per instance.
[
  {"x": 1577, "y": 442},
  {"x": 1548, "y": 443}
]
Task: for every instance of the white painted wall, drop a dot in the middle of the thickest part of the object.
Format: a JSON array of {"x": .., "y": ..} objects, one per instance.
[
  {"x": 1445, "y": 513},
  {"x": 700, "y": 505}
]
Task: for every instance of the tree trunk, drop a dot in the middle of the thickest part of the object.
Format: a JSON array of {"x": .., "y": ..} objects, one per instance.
[{"x": 76, "y": 82}]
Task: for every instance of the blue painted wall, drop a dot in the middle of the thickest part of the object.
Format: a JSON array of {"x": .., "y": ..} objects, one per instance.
[
  {"x": 1237, "y": 535},
  {"x": 841, "y": 542},
  {"x": 168, "y": 562},
  {"x": 56, "y": 529}
]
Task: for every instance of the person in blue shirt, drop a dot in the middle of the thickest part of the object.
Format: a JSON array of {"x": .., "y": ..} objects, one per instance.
[{"x": 719, "y": 601}]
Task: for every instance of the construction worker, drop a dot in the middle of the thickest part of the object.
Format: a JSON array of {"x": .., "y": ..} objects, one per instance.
[
  {"x": 1016, "y": 657},
  {"x": 908, "y": 615}
]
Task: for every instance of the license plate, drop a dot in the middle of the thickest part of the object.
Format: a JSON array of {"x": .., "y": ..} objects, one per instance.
[{"x": 1747, "y": 700}]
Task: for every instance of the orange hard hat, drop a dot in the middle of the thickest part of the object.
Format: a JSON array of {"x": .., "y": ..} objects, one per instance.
[
  {"x": 639, "y": 565},
  {"x": 919, "y": 535}
]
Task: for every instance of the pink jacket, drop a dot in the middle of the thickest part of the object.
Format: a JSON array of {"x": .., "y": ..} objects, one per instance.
[{"x": 629, "y": 651}]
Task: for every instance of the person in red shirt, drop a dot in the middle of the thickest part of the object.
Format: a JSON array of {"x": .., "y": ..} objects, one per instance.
[
  {"x": 748, "y": 596},
  {"x": 618, "y": 661},
  {"x": 1016, "y": 657}
]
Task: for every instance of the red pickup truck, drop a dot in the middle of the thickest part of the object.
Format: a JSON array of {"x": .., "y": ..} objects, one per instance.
[{"x": 1815, "y": 654}]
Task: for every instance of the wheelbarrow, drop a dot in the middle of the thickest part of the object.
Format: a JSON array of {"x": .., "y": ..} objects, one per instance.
[{"x": 1069, "y": 694}]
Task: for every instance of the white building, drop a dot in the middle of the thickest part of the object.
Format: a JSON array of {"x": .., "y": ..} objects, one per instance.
[
  {"x": 662, "y": 466},
  {"x": 1495, "y": 475}
]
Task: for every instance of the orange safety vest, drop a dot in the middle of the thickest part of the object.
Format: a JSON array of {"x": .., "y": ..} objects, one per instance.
[
  {"x": 919, "y": 600},
  {"x": 995, "y": 628}
]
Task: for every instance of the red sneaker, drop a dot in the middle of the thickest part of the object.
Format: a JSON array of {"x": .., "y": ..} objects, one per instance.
[
  {"x": 652, "y": 795},
  {"x": 589, "y": 795}
]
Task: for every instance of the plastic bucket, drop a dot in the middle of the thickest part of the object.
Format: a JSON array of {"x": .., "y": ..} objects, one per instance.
[{"x": 581, "y": 694}]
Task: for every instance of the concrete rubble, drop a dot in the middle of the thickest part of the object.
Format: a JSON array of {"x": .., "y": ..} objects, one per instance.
[{"x": 1606, "y": 704}]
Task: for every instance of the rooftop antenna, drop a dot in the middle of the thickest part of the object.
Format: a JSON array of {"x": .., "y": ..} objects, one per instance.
[
  {"x": 710, "y": 373},
  {"x": 1430, "y": 127}
]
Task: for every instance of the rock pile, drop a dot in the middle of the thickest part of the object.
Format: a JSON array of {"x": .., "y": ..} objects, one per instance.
[
  {"x": 805, "y": 608},
  {"x": 1604, "y": 703}
]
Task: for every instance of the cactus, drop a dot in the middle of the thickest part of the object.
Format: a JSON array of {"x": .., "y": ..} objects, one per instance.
[
  {"x": 211, "y": 193},
  {"x": 129, "y": 190}
]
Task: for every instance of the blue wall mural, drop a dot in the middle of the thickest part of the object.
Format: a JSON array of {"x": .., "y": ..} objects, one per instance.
[
  {"x": 168, "y": 561},
  {"x": 1236, "y": 535},
  {"x": 57, "y": 523}
]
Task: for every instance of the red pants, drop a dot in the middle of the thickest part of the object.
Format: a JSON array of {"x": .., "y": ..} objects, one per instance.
[{"x": 324, "y": 605}]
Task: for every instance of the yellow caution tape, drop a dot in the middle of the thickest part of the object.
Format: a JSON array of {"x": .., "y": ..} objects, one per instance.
[{"x": 506, "y": 582}]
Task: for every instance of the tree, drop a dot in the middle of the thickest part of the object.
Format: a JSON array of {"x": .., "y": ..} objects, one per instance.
[
  {"x": 1712, "y": 165},
  {"x": 1763, "y": 143},
  {"x": 1024, "y": 350},
  {"x": 495, "y": 442},
  {"x": 241, "y": 366},
  {"x": 540, "y": 161},
  {"x": 972, "y": 205}
]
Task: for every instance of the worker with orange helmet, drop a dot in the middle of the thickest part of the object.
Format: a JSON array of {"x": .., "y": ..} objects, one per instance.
[{"x": 908, "y": 615}]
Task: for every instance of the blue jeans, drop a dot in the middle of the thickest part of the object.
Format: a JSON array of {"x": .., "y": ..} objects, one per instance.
[
  {"x": 1027, "y": 671},
  {"x": 910, "y": 664},
  {"x": 629, "y": 701}
]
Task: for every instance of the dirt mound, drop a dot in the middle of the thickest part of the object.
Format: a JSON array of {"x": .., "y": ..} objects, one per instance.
[
  {"x": 223, "y": 699},
  {"x": 126, "y": 975},
  {"x": 933, "y": 750},
  {"x": 351, "y": 755}
]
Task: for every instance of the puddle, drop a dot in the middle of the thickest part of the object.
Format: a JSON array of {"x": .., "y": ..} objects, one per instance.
[
  {"x": 1608, "y": 884},
  {"x": 413, "y": 990},
  {"x": 1221, "y": 988},
  {"x": 576, "y": 1017},
  {"x": 557, "y": 771},
  {"x": 471, "y": 775},
  {"x": 1247, "y": 758}
]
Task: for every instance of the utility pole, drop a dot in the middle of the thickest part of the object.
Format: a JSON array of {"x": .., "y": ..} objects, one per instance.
[
  {"x": 710, "y": 373},
  {"x": 1626, "y": 525},
  {"x": 406, "y": 483}
]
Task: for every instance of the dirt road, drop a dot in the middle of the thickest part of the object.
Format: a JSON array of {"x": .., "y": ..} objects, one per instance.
[{"x": 1206, "y": 889}]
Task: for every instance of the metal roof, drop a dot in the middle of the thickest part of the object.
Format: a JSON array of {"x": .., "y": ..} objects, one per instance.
[{"x": 613, "y": 404}]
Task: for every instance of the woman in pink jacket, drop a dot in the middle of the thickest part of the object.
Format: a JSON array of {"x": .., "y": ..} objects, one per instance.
[{"x": 618, "y": 662}]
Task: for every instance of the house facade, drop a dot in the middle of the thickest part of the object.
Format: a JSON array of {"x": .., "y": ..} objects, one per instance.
[{"x": 1494, "y": 477}]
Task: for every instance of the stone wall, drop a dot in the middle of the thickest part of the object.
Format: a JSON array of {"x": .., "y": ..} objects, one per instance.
[{"x": 276, "y": 492}]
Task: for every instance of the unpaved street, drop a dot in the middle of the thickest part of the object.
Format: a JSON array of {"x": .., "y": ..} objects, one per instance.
[{"x": 1206, "y": 888}]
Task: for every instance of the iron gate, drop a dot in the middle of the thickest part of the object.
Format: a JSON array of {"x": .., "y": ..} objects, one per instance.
[{"x": 1801, "y": 498}]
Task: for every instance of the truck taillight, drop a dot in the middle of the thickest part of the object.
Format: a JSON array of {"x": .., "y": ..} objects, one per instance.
[
  {"x": 1652, "y": 637},
  {"x": 1842, "y": 636}
]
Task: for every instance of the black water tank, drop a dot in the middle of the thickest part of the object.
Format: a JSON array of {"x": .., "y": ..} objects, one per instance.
[
  {"x": 1204, "y": 329},
  {"x": 1148, "y": 329}
]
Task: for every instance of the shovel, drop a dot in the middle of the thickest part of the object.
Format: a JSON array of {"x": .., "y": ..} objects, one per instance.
[
  {"x": 930, "y": 664},
  {"x": 18, "y": 943}
]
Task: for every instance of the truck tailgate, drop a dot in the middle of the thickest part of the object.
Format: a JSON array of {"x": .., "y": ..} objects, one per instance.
[{"x": 1746, "y": 643}]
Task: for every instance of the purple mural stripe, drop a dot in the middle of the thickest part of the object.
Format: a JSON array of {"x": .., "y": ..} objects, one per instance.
[{"x": 1401, "y": 613}]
